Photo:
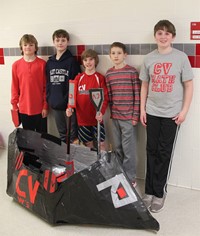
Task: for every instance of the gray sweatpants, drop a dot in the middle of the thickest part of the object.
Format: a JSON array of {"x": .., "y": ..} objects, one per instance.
[{"x": 124, "y": 137}]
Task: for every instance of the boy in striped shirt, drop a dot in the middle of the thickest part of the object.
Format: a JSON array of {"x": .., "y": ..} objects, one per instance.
[{"x": 124, "y": 99}]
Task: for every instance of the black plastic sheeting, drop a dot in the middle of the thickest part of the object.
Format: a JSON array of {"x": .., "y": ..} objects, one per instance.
[{"x": 75, "y": 188}]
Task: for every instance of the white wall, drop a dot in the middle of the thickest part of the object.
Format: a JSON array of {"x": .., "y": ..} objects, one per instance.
[{"x": 102, "y": 22}]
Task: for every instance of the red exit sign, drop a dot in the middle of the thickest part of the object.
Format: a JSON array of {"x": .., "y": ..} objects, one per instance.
[{"x": 195, "y": 31}]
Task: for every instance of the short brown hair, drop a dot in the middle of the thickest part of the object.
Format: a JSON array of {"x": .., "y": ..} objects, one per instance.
[
  {"x": 165, "y": 25},
  {"x": 60, "y": 33},
  {"x": 28, "y": 38},
  {"x": 90, "y": 53},
  {"x": 118, "y": 45}
]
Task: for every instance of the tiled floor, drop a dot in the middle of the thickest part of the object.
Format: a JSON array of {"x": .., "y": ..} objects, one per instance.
[{"x": 181, "y": 216}]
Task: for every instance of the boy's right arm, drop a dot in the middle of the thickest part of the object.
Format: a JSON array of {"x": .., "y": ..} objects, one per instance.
[
  {"x": 105, "y": 92},
  {"x": 14, "y": 89},
  {"x": 143, "y": 98}
]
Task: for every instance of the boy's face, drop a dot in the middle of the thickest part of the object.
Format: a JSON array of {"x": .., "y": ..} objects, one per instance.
[
  {"x": 28, "y": 49},
  {"x": 117, "y": 55},
  {"x": 163, "y": 39},
  {"x": 89, "y": 64},
  {"x": 60, "y": 44}
]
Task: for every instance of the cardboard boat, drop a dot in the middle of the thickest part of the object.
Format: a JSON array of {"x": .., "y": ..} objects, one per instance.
[{"x": 75, "y": 188}]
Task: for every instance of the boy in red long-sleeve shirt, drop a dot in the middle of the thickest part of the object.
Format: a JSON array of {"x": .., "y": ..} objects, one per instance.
[
  {"x": 28, "y": 90},
  {"x": 85, "y": 110}
]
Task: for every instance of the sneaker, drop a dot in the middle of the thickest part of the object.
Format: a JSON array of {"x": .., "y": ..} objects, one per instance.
[
  {"x": 147, "y": 200},
  {"x": 157, "y": 204}
]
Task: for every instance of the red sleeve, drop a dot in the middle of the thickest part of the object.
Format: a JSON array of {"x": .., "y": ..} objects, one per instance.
[{"x": 14, "y": 87}]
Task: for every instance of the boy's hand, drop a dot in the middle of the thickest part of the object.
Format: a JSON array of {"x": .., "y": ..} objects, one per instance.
[
  {"x": 134, "y": 122},
  {"x": 179, "y": 118},
  {"x": 69, "y": 112},
  {"x": 44, "y": 113},
  {"x": 99, "y": 116},
  {"x": 143, "y": 118}
]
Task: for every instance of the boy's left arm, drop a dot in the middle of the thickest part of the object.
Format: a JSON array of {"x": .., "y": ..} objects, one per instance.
[
  {"x": 187, "y": 98},
  {"x": 45, "y": 104}
]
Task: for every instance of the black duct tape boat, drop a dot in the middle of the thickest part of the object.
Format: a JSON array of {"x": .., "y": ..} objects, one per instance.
[{"x": 75, "y": 188}]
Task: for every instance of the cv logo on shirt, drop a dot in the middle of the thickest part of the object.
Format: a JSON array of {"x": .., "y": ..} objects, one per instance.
[{"x": 162, "y": 81}]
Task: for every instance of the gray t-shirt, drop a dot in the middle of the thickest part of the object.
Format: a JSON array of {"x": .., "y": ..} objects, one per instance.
[{"x": 165, "y": 74}]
